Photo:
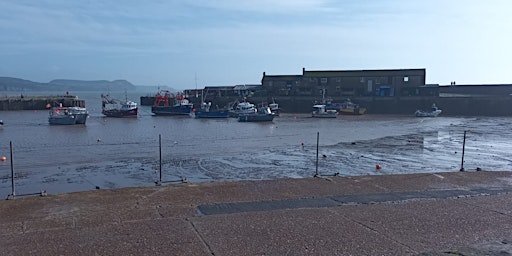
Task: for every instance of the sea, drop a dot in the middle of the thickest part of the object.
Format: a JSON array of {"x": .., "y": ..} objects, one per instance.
[{"x": 110, "y": 153}]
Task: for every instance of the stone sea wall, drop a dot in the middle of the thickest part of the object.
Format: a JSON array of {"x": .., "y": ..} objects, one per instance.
[{"x": 38, "y": 102}]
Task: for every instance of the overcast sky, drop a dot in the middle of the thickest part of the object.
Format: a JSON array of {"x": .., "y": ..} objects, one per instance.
[{"x": 184, "y": 43}]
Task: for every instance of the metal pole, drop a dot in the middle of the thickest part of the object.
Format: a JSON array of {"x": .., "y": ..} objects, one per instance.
[
  {"x": 13, "y": 193},
  {"x": 317, "y": 141},
  {"x": 463, "y": 147},
  {"x": 160, "y": 147}
]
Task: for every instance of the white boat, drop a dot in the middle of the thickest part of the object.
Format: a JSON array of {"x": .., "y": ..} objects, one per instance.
[
  {"x": 320, "y": 111},
  {"x": 264, "y": 114},
  {"x": 432, "y": 112},
  {"x": 274, "y": 107},
  {"x": 243, "y": 108},
  {"x": 67, "y": 115},
  {"x": 116, "y": 108}
]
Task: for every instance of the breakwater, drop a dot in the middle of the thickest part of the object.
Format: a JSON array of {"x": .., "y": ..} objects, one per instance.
[
  {"x": 38, "y": 102},
  {"x": 481, "y": 105}
]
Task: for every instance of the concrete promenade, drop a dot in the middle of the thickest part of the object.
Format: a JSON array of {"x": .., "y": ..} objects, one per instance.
[{"x": 457, "y": 213}]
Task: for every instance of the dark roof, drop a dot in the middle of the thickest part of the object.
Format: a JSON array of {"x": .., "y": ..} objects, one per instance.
[
  {"x": 219, "y": 87},
  {"x": 372, "y": 72},
  {"x": 282, "y": 77}
]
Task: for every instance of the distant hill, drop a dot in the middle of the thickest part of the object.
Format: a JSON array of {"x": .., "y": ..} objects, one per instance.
[
  {"x": 99, "y": 85},
  {"x": 17, "y": 84}
]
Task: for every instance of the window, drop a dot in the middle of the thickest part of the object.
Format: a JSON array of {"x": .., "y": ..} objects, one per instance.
[
  {"x": 338, "y": 80},
  {"x": 323, "y": 80},
  {"x": 406, "y": 79},
  {"x": 338, "y": 88}
]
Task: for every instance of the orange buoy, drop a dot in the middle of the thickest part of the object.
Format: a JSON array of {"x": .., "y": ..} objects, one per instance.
[
  {"x": 377, "y": 167},
  {"x": 4, "y": 158}
]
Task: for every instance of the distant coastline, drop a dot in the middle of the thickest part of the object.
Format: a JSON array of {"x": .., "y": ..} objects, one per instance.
[{"x": 11, "y": 84}]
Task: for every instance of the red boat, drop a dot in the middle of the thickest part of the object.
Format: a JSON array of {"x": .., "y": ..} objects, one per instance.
[{"x": 180, "y": 106}]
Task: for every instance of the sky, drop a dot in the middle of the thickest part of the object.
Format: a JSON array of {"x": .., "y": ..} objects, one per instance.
[{"x": 187, "y": 44}]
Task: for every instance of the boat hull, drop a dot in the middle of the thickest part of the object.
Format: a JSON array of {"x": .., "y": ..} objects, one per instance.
[
  {"x": 354, "y": 111},
  {"x": 211, "y": 114},
  {"x": 256, "y": 118},
  {"x": 62, "y": 120},
  {"x": 323, "y": 115},
  {"x": 420, "y": 113},
  {"x": 120, "y": 113},
  {"x": 171, "y": 110}
]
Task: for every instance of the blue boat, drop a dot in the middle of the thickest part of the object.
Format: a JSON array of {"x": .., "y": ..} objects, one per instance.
[
  {"x": 206, "y": 112},
  {"x": 180, "y": 106}
]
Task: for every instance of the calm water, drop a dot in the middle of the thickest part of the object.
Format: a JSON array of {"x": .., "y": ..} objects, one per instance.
[{"x": 113, "y": 153}]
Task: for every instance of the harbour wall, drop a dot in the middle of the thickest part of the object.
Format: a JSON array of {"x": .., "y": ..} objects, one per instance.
[
  {"x": 475, "y": 105},
  {"x": 38, "y": 102}
]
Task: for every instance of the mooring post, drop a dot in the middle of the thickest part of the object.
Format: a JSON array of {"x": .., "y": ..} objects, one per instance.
[
  {"x": 317, "y": 142},
  {"x": 13, "y": 193},
  {"x": 463, "y": 148},
  {"x": 160, "y": 157}
]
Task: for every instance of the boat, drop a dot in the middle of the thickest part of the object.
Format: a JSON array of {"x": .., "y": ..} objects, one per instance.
[
  {"x": 116, "y": 108},
  {"x": 432, "y": 112},
  {"x": 1, "y": 123},
  {"x": 67, "y": 115},
  {"x": 206, "y": 112},
  {"x": 274, "y": 107},
  {"x": 349, "y": 108},
  {"x": 325, "y": 109},
  {"x": 320, "y": 111},
  {"x": 179, "y": 106},
  {"x": 263, "y": 114},
  {"x": 243, "y": 108}
]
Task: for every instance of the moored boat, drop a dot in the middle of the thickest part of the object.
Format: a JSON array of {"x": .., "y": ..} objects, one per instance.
[
  {"x": 206, "y": 112},
  {"x": 432, "y": 112},
  {"x": 262, "y": 115},
  {"x": 349, "y": 108},
  {"x": 67, "y": 115},
  {"x": 274, "y": 107},
  {"x": 116, "y": 108},
  {"x": 320, "y": 111},
  {"x": 179, "y": 106},
  {"x": 243, "y": 108}
]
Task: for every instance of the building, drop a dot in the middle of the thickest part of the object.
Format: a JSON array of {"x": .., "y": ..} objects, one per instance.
[{"x": 351, "y": 83}]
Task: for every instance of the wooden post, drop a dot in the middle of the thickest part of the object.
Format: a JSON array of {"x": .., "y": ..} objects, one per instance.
[
  {"x": 463, "y": 147},
  {"x": 317, "y": 142},
  {"x": 13, "y": 192}
]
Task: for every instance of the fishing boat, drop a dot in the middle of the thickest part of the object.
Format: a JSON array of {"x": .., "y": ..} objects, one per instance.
[
  {"x": 67, "y": 115},
  {"x": 262, "y": 115},
  {"x": 320, "y": 111},
  {"x": 349, "y": 108},
  {"x": 115, "y": 108},
  {"x": 179, "y": 106},
  {"x": 432, "y": 112},
  {"x": 274, "y": 107},
  {"x": 243, "y": 108},
  {"x": 206, "y": 112},
  {"x": 325, "y": 109}
]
